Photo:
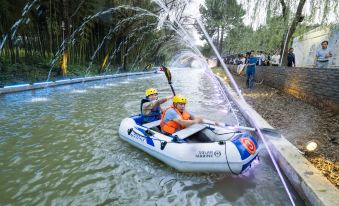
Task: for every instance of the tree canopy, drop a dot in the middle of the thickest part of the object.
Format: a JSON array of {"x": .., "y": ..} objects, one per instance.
[
  {"x": 100, "y": 36},
  {"x": 220, "y": 18},
  {"x": 67, "y": 37},
  {"x": 264, "y": 25}
]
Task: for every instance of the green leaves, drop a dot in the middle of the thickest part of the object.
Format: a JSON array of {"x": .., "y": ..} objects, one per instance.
[
  {"x": 221, "y": 19},
  {"x": 133, "y": 41}
]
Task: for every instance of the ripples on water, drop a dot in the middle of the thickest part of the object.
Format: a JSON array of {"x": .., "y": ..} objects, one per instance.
[{"x": 59, "y": 146}]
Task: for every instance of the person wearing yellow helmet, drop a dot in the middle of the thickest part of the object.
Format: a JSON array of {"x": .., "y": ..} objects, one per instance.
[
  {"x": 150, "y": 105},
  {"x": 176, "y": 118}
]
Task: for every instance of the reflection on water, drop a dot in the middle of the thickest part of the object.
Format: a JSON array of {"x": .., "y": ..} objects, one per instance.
[
  {"x": 66, "y": 151},
  {"x": 98, "y": 87},
  {"x": 80, "y": 91},
  {"x": 39, "y": 99}
]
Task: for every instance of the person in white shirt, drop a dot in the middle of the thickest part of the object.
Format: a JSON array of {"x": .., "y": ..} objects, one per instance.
[
  {"x": 262, "y": 59},
  {"x": 275, "y": 59},
  {"x": 241, "y": 66},
  {"x": 322, "y": 55}
]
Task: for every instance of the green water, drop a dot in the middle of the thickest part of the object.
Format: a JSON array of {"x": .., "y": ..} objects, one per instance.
[{"x": 59, "y": 146}]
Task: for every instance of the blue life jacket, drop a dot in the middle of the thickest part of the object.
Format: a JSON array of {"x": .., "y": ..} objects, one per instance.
[{"x": 151, "y": 117}]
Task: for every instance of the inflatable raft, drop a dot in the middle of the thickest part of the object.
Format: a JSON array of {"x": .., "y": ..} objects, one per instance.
[{"x": 198, "y": 148}]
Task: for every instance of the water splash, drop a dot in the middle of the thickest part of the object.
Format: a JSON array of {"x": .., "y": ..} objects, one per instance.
[
  {"x": 114, "y": 30},
  {"x": 98, "y": 87},
  {"x": 39, "y": 99},
  {"x": 80, "y": 30},
  {"x": 16, "y": 25},
  {"x": 111, "y": 85},
  {"x": 79, "y": 91},
  {"x": 129, "y": 37},
  {"x": 242, "y": 99}
]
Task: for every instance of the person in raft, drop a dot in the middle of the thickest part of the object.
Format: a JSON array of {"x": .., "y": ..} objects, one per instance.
[
  {"x": 150, "y": 106},
  {"x": 176, "y": 118}
]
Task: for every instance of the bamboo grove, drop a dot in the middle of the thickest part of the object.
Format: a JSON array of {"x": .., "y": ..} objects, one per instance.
[{"x": 86, "y": 35}]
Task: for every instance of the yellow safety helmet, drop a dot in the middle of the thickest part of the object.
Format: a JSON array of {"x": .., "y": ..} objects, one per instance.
[
  {"x": 150, "y": 91},
  {"x": 179, "y": 99}
]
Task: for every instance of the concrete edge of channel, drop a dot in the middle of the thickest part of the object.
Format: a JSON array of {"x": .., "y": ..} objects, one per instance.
[
  {"x": 42, "y": 85},
  {"x": 307, "y": 180}
]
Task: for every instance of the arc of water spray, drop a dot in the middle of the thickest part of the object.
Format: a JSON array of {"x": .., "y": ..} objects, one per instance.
[
  {"x": 136, "y": 42},
  {"x": 81, "y": 28},
  {"x": 167, "y": 23},
  {"x": 89, "y": 18},
  {"x": 129, "y": 37},
  {"x": 238, "y": 92},
  {"x": 220, "y": 59},
  {"x": 190, "y": 54},
  {"x": 242, "y": 98},
  {"x": 16, "y": 25},
  {"x": 170, "y": 25},
  {"x": 120, "y": 45},
  {"x": 148, "y": 48},
  {"x": 112, "y": 30},
  {"x": 186, "y": 37}
]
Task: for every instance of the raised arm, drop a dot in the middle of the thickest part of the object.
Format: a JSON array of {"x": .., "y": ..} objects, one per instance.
[
  {"x": 157, "y": 102},
  {"x": 187, "y": 123}
]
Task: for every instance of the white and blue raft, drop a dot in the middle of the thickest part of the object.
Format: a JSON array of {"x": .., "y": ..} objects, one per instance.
[{"x": 198, "y": 148}]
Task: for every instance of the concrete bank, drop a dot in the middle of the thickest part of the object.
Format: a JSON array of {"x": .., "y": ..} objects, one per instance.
[
  {"x": 41, "y": 85},
  {"x": 309, "y": 182}
]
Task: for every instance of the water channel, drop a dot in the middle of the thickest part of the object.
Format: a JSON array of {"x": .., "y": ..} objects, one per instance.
[{"x": 60, "y": 146}]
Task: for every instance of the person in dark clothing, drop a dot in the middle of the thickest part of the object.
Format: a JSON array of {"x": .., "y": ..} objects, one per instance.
[
  {"x": 150, "y": 106},
  {"x": 250, "y": 71},
  {"x": 290, "y": 58}
]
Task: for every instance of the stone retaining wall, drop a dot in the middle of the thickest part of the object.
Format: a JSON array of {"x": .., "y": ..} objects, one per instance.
[{"x": 319, "y": 87}]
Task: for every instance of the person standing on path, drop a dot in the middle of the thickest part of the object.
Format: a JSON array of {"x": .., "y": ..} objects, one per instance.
[
  {"x": 275, "y": 59},
  {"x": 250, "y": 70},
  {"x": 322, "y": 55},
  {"x": 291, "y": 58}
]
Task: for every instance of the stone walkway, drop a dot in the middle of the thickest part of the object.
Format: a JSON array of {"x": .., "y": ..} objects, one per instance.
[{"x": 299, "y": 122}]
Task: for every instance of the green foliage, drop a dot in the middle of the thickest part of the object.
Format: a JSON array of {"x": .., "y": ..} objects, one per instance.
[
  {"x": 267, "y": 38},
  {"x": 222, "y": 13},
  {"x": 220, "y": 18},
  {"x": 279, "y": 15},
  {"x": 126, "y": 37},
  {"x": 19, "y": 73}
]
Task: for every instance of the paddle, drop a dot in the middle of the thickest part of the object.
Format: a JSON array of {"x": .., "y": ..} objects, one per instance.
[
  {"x": 168, "y": 76},
  {"x": 147, "y": 67},
  {"x": 270, "y": 131}
]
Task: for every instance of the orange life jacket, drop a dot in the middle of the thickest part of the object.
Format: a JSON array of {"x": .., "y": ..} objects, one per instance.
[{"x": 171, "y": 126}]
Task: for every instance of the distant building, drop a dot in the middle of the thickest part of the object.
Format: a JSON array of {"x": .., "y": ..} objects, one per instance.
[{"x": 305, "y": 46}]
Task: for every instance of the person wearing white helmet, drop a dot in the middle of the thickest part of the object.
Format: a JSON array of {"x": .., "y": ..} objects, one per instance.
[{"x": 150, "y": 105}]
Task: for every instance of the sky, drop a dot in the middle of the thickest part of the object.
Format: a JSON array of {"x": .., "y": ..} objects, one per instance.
[
  {"x": 193, "y": 7},
  {"x": 256, "y": 21},
  {"x": 193, "y": 10}
]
